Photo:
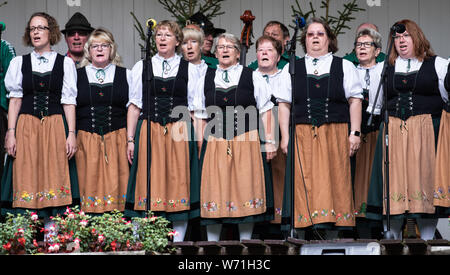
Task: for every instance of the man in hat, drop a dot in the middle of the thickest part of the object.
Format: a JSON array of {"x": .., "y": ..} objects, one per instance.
[
  {"x": 210, "y": 33},
  {"x": 76, "y": 33}
]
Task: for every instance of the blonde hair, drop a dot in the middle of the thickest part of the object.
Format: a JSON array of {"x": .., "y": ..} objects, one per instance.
[
  {"x": 173, "y": 27},
  {"x": 191, "y": 33},
  {"x": 106, "y": 36}
]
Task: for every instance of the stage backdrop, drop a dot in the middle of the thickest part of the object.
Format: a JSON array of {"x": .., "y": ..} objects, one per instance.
[{"x": 431, "y": 15}]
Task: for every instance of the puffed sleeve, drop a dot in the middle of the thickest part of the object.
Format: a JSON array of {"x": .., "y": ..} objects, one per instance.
[
  {"x": 352, "y": 84},
  {"x": 283, "y": 91},
  {"x": 135, "y": 96},
  {"x": 441, "y": 66},
  {"x": 262, "y": 93},
  {"x": 69, "y": 90},
  {"x": 14, "y": 77}
]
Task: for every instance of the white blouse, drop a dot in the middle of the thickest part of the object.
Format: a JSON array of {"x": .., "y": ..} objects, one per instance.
[
  {"x": 110, "y": 71},
  {"x": 441, "y": 66},
  {"x": 262, "y": 92},
  {"x": 164, "y": 68},
  {"x": 279, "y": 84},
  {"x": 14, "y": 77},
  {"x": 375, "y": 77},
  {"x": 352, "y": 85}
]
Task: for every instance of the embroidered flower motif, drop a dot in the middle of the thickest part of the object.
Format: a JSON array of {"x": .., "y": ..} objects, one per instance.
[
  {"x": 231, "y": 206},
  {"x": 210, "y": 206},
  {"x": 254, "y": 204}
]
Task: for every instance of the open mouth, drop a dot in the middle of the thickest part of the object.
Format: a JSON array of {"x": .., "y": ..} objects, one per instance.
[
  {"x": 265, "y": 59},
  {"x": 36, "y": 39}
]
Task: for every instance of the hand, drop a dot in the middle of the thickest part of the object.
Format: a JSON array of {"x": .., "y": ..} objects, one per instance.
[
  {"x": 10, "y": 143},
  {"x": 284, "y": 144},
  {"x": 130, "y": 152},
  {"x": 355, "y": 143},
  {"x": 71, "y": 145},
  {"x": 271, "y": 151}
]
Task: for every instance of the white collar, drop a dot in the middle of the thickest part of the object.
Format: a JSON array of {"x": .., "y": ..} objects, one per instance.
[
  {"x": 270, "y": 75},
  {"x": 45, "y": 54},
  {"x": 231, "y": 68},
  {"x": 308, "y": 57},
  {"x": 95, "y": 68},
  {"x": 170, "y": 59}
]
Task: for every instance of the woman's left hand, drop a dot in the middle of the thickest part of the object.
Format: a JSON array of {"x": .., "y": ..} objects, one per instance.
[
  {"x": 71, "y": 145},
  {"x": 355, "y": 143}
]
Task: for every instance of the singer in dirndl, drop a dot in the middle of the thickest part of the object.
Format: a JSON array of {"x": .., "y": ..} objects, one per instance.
[
  {"x": 103, "y": 92},
  {"x": 174, "y": 156},
  {"x": 328, "y": 99},
  {"x": 40, "y": 173},
  {"x": 367, "y": 49},
  {"x": 236, "y": 187},
  {"x": 416, "y": 96}
]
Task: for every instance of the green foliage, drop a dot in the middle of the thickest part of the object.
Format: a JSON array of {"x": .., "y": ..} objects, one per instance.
[
  {"x": 17, "y": 234},
  {"x": 338, "y": 23},
  {"x": 152, "y": 232},
  {"x": 76, "y": 231},
  {"x": 181, "y": 10}
]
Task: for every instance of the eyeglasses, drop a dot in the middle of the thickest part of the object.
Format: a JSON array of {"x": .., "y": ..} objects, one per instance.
[
  {"x": 103, "y": 46},
  {"x": 312, "y": 34},
  {"x": 80, "y": 33},
  {"x": 405, "y": 36},
  {"x": 228, "y": 47},
  {"x": 365, "y": 44},
  {"x": 39, "y": 28}
]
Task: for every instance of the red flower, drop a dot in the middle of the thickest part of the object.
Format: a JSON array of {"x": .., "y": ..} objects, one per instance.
[
  {"x": 7, "y": 246},
  {"x": 22, "y": 241}
]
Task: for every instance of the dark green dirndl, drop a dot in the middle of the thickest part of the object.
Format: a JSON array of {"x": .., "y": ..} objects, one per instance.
[
  {"x": 194, "y": 211},
  {"x": 266, "y": 216},
  {"x": 375, "y": 196},
  {"x": 7, "y": 189}
]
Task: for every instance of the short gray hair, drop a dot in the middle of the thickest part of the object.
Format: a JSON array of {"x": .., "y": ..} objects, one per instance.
[
  {"x": 230, "y": 38},
  {"x": 376, "y": 36}
]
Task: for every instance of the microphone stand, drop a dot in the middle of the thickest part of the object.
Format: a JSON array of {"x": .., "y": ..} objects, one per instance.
[
  {"x": 383, "y": 81},
  {"x": 291, "y": 51},
  {"x": 148, "y": 80}
]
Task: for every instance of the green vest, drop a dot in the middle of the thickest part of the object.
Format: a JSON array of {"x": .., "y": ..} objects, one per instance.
[{"x": 6, "y": 55}]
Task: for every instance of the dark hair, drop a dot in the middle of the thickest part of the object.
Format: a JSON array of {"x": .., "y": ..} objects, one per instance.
[
  {"x": 283, "y": 28},
  {"x": 333, "y": 43},
  {"x": 53, "y": 32},
  {"x": 422, "y": 47},
  {"x": 276, "y": 43}
]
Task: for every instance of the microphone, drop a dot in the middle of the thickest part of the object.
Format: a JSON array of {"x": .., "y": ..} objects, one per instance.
[
  {"x": 151, "y": 23},
  {"x": 300, "y": 22},
  {"x": 2, "y": 26},
  {"x": 398, "y": 28}
]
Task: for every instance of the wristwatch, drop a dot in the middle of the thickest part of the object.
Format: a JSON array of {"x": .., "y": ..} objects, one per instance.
[{"x": 355, "y": 133}]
